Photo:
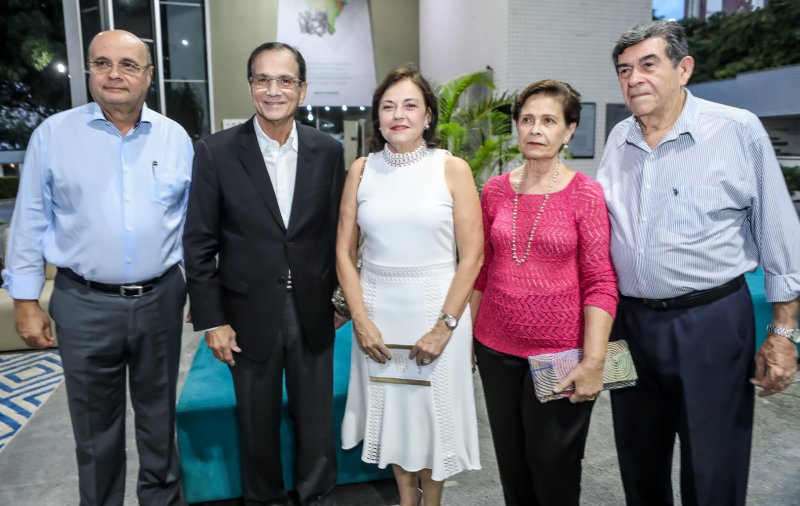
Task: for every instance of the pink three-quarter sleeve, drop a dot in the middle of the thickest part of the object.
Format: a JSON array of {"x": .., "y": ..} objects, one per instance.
[
  {"x": 598, "y": 282},
  {"x": 488, "y": 210}
]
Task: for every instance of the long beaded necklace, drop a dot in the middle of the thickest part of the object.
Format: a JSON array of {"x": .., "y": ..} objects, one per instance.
[
  {"x": 520, "y": 261},
  {"x": 403, "y": 159}
]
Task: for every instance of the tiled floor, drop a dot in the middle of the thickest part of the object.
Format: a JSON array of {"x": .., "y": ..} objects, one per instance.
[{"x": 26, "y": 381}]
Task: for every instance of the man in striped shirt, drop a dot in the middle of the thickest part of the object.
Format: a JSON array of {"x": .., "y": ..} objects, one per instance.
[{"x": 696, "y": 199}]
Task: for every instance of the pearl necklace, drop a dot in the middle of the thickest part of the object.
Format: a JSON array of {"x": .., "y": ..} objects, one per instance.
[
  {"x": 403, "y": 159},
  {"x": 520, "y": 261}
]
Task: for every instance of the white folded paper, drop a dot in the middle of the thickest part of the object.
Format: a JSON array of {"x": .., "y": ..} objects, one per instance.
[{"x": 400, "y": 369}]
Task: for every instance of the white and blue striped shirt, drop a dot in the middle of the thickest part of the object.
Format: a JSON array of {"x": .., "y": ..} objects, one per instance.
[{"x": 708, "y": 204}]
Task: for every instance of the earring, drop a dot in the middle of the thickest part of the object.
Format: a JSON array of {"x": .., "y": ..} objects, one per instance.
[{"x": 427, "y": 127}]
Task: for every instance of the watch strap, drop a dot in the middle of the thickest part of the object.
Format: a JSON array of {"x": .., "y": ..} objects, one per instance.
[
  {"x": 791, "y": 334},
  {"x": 450, "y": 321}
]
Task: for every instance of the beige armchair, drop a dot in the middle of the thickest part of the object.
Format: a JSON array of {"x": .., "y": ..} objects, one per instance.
[{"x": 9, "y": 340}]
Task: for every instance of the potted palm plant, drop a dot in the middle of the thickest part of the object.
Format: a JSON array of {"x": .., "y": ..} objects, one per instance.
[{"x": 475, "y": 124}]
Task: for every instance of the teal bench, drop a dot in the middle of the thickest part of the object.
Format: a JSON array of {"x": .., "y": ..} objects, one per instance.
[
  {"x": 208, "y": 435},
  {"x": 763, "y": 309}
]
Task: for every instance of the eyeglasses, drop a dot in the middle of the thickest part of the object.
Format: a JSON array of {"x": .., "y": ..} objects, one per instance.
[
  {"x": 284, "y": 82},
  {"x": 128, "y": 68}
]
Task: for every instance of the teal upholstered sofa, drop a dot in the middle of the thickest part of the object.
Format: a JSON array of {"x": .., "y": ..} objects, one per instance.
[{"x": 208, "y": 437}]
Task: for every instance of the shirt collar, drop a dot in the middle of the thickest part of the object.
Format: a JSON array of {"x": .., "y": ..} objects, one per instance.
[
  {"x": 265, "y": 140},
  {"x": 687, "y": 123},
  {"x": 96, "y": 114}
]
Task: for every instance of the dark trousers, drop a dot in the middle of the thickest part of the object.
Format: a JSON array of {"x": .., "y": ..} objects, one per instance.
[
  {"x": 259, "y": 396},
  {"x": 102, "y": 339},
  {"x": 694, "y": 365},
  {"x": 539, "y": 446}
]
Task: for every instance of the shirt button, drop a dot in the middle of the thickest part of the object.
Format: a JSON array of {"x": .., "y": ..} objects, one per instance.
[
  {"x": 127, "y": 199},
  {"x": 641, "y": 252},
  {"x": 644, "y": 219},
  {"x": 129, "y": 229},
  {"x": 647, "y": 187},
  {"x": 129, "y": 261}
]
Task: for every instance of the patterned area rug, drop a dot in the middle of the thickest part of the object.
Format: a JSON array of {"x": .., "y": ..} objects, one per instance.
[{"x": 26, "y": 380}]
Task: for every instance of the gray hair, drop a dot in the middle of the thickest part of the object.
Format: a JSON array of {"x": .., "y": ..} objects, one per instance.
[{"x": 670, "y": 31}]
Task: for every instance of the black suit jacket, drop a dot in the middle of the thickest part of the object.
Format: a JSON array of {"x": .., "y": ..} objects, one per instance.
[{"x": 233, "y": 213}]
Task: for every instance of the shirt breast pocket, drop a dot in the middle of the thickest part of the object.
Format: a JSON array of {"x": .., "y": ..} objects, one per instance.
[
  {"x": 168, "y": 186},
  {"x": 692, "y": 210}
]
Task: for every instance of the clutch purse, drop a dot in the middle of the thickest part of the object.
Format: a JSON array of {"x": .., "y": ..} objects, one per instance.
[
  {"x": 549, "y": 369},
  {"x": 339, "y": 304}
]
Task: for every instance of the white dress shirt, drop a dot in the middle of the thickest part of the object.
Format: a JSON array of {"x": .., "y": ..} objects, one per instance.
[{"x": 281, "y": 162}]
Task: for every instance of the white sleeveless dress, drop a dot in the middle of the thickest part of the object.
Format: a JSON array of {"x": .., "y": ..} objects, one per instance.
[{"x": 409, "y": 259}]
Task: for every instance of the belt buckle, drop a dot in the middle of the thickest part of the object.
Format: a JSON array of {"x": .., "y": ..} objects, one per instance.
[
  {"x": 131, "y": 290},
  {"x": 655, "y": 303}
]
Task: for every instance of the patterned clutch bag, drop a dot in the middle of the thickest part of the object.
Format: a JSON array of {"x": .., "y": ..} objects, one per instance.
[{"x": 548, "y": 369}]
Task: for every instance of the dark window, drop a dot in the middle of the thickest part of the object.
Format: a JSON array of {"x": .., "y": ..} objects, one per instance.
[
  {"x": 614, "y": 114},
  {"x": 187, "y": 103},
  {"x": 136, "y": 16},
  {"x": 183, "y": 49}
]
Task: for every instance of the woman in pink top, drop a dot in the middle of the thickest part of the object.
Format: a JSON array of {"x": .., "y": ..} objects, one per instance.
[{"x": 547, "y": 285}]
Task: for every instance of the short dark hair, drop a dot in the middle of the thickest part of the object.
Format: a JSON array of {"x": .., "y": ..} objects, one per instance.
[
  {"x": 570, "y": 99},
  {"x": 277, "y": 46},
  {"x": 672, "y": 33},
  {"x": 403, "y": 72}
]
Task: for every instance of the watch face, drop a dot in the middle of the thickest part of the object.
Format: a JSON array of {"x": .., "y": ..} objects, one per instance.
[{"x": 450, "y": 321}]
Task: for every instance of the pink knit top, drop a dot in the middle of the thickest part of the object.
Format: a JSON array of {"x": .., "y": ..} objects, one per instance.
[{"x": 537, "y": 307}]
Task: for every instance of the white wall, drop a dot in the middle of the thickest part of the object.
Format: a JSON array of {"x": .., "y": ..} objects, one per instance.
[
  {"x": 571, "y": 40},
  {"x": 528, "y": 40},
  {"x": 462, "y": 36}
]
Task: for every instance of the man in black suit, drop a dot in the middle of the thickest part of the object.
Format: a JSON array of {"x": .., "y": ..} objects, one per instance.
[{"x": 265, "y": 200}]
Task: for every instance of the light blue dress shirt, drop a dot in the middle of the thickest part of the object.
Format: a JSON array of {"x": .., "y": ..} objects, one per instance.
[
  {"x": 706, "y": 205},
  {"x": 109, "y": 207}
]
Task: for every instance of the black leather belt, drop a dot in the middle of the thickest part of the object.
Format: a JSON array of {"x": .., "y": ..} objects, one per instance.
[
  {"x": 692, "y": 299},
  {"x": 125, "y": 290}
]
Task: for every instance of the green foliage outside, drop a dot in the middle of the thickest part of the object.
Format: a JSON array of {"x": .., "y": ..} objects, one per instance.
[
  {"x": 792, "y": 176},
  {"x": 726, "y": 45},
  {"x": 477, "y": 130},
  {"x": 31, "y": 89},
  {"x": 8, "y": 187}
]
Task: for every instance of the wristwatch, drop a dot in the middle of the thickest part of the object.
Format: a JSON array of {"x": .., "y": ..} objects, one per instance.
[
  {"x": 450, "y": 321},
  {"x": 792, "y": 335}
]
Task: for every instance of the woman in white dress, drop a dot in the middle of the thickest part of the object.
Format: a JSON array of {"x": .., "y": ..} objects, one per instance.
[{"x": 418, "y": 210}]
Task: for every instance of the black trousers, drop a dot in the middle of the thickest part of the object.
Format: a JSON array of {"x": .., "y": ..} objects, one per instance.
[
  {"x": 539, "y": 447},
  {"x": 259, "y": 397},
  {"x": 104, "y": 339},
  {"x": 694, "y": 365}
]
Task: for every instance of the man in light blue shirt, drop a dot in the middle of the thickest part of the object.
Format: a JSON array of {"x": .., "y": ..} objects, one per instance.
[
  {"x": 103, "y": 197},
  {"x": 696, "y": 199}
]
